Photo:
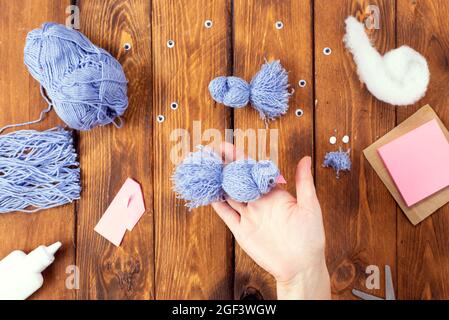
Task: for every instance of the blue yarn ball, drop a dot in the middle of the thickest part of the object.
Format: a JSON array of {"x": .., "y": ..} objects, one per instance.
[
  {"x": 248, "y": 180},
  {"x": 86, "y": 85},
  {"x": 198, "y": 179},
  {"x": 268, "y": 91}
]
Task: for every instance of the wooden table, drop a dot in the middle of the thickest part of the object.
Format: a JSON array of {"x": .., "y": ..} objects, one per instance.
[{"x": 176, "y": 254}]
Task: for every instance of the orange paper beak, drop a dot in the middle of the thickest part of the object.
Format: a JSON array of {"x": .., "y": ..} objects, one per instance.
[{"x": 281, "y": 180}]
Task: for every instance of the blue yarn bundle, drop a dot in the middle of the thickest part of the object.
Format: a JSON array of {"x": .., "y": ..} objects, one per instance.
[
  {"x": 85, "y": 84},
  {"x": 38, "y": 170},
  {"x": 268, "y": 91},
  {"x": 338, "y": 160},
  {"x": 202, "y": 179}
]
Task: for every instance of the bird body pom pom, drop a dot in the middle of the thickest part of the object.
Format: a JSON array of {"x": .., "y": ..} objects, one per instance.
[
  {"x": 202, "y": 179},
  {"x": 86, "y": 85},
  {"x": 38, "y": 170},
  {"x": 267, "y": 92},
  {"x": 198, "y": 179},
  {"x": 399, "y": 78}
]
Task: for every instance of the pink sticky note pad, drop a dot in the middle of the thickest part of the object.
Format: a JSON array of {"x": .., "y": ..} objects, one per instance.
[
  {"x": 123, "y": 213},
  {"x": 418, "y": 162}
]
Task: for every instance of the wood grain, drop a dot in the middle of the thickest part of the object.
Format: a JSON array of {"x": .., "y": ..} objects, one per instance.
[
  {"x": 256, "y": 38},
  {"x": 423, "y": 251},
  {"x": 110, "y": 155},
  {"x": 359, "y": 213},
  {"x": 20, "y": 101},
  {"x": 193, "y": 249}
]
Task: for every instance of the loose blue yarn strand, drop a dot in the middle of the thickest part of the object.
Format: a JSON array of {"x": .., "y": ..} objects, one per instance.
[{"x": 38, "y": 170}]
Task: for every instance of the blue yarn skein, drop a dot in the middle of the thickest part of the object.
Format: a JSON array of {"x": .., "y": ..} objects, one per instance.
[
  {"x": 202, "y": 179},
  {"x": 86, "y": 85},
  {"x": 267, "y": 92},
  {"x": 38, "y": 170}
]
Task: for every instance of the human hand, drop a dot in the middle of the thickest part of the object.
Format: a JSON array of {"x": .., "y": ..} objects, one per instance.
[{"x": 284, "y": 235}]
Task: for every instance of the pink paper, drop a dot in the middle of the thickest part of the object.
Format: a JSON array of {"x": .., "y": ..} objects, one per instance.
[
  {"x": 418, "y": 162},
  {"x": 123, "y": 213}
]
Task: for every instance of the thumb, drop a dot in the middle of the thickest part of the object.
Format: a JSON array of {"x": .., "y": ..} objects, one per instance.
[{"x": 305, "y": 187}]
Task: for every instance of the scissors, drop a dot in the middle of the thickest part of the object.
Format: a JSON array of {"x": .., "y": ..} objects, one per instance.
[{"x": 389, "y": 289}]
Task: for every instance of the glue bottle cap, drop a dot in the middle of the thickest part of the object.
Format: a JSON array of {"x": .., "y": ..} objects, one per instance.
[{"x": 41, "y": 257}]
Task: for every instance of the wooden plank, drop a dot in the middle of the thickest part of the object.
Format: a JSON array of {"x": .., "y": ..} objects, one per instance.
[
  {"x": 193, "y": 250},
  {"x": 256, "y": 38},
  {"x": 359, "y": 213},
  {"x": 110, "y": 155},
  {"x": 21, "y": 101},
  {"x": 423, "y": 251}
]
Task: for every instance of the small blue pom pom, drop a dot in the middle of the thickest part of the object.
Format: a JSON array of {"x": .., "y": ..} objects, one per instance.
[{"x": 338, "y": 160}]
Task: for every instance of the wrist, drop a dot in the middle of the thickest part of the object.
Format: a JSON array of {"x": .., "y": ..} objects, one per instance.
[{"x": 310, "y": 284}]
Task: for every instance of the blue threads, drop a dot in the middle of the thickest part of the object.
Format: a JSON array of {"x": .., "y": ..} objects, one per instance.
[
  {"x": 338, "y": 160},
  {"x": 267, "y": 92},
  {"x": 202, "y": 178},
  {"x": 38, "y": 170},
  {"x": 85, "y": 84}
]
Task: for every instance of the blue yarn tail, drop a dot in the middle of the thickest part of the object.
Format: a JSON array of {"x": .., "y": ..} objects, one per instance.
[
  {"x": 38, "y": 170},
  {"x": 269, "y": 90},
  {"x": 198, "y": 179}
]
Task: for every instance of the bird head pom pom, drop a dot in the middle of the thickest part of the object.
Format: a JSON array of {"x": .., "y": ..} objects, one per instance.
[
  {"x": 202, "y": 179},
  {"x": 86, "y": 85},
  {"x": 400, "y": 77},
  {"x": 268, "y": 91}
]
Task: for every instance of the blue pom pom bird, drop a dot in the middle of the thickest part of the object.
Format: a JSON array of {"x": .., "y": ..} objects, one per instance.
[
  {"x": 202, "y": 179},
  {"x": 267, "y": 92}
]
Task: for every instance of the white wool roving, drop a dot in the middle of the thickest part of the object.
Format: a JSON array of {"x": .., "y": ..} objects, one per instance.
[{"x": 400, "y": 77}]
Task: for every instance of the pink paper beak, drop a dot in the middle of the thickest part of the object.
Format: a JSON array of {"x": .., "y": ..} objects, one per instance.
[{"x": 281, "y": 180}]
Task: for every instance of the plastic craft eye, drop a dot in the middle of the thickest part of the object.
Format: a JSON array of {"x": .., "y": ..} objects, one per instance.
[
  {"x": 299, "y": 112},
  {"x": 127, "y": 46},
  {"x": 279, "y": 25},
  {"x": 302, "y": 83},
  {"x": 174, "y": 105},
  {"x": 160, "y": 118},
  {"x": 208, "y": 24},
  {"x": 271, "y": 181},
  {"x": 170, "y": 43},
  {"x": 327, "y": 51}
]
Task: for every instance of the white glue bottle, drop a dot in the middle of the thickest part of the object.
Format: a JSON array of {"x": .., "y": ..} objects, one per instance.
[{"x": 21, "y": 274}]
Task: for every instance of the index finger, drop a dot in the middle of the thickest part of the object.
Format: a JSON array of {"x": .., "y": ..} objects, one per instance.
[{"x": 230, "y": 153}]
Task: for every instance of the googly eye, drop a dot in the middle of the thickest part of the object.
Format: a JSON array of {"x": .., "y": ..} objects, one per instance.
[
  {"x": 208, "y": 24},
  {"x": 127, "y": 46},
  {"x": 170, "y": 44},
  {"x": 327, "y": 51},
  {"x": 279, "y": 25},
  {"x": 299, "y": 112},
  {"x": 174, "y": 105},
  {"x": 160, "y": 118},
  {"x": 302, "y": 83}
]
